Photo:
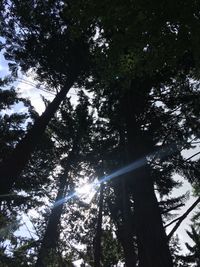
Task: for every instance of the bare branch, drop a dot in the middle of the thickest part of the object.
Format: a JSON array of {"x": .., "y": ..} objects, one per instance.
[{"x": 193, "y": 156}]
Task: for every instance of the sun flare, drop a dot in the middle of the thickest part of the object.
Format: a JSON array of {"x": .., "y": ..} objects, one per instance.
[{"x": 84, "y": 190}]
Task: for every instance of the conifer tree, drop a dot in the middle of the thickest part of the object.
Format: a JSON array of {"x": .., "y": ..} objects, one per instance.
[
  {"x": 73, "y": 142},
  {"x": 194, "y": 250},
  {"x": 33, "y": 35},
  {"x": 145, "y": 85}
]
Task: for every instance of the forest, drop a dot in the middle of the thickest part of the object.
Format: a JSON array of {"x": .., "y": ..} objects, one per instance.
[{"x": 108, "y": 174}]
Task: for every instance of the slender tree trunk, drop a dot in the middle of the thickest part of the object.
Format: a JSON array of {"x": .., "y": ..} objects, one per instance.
[
  {"x": 98, "y": 237},
  {"x": 11, "y": 168},
  {"x": 124, "y": 229},
  {"x": 51, "y": 236}
]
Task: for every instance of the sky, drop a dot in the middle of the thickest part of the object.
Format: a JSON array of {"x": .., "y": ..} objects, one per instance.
[
  {"x": 3, "y": 65},
  {"x": 26, "y": 87}
]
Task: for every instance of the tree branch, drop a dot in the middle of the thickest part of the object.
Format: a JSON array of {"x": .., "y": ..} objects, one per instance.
[
  {"x": 193, "y": 156},
  {"x": 182, "y": 218}
]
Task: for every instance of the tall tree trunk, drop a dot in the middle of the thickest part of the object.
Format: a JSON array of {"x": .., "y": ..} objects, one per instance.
[
  {"x": 11, "y": 168},
  {"x": 153, "y": 248},
  {"x": 51, "y": 235},
  {"x": 98, "y": 236}
]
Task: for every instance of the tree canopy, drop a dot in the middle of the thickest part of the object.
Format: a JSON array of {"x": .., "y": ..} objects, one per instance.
[{"x": 124, "y": 136}]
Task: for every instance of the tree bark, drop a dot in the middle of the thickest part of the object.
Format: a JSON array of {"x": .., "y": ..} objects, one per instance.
[{"x": 11, "y": 168}]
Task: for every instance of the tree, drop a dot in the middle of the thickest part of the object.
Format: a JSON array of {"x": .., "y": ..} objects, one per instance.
[
  {"x": 34, "y": 178},
  {"x": 12, "y": 130},
  {"x": 74, "y": 144},
  {"x": 164, "y": 129},
  {"x": 131, "y": 79},
  {"x": 24, "y": 36},
  {"x": 193, "y": 256},
  {"x": 144, "y": 58},
  {"x": 176, "y": 251}
]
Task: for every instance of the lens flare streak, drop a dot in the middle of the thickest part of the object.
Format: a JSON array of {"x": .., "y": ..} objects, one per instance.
[
  {"x": 131, "y": 167},
  {"x": 124, "y": 170}
]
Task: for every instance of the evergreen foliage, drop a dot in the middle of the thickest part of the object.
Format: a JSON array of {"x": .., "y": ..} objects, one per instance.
[{"x": 134, "y": 66}]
